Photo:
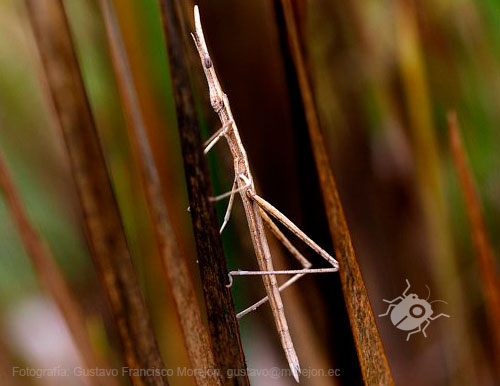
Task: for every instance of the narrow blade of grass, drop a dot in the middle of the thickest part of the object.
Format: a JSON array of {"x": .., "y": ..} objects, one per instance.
[
  {"x": 485, "y": 258},
  {"x": 178, "y": 276},
  {"x": 218, "y": 300},
  {"x": 48, "y": 272},
  {"x": 445, "y": 269},
  {"x": 373, "y": 362},
  {"x": 102, "y": 219}
]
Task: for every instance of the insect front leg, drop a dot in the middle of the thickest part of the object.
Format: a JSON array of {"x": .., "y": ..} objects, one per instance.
[{"x": 218, "y": 135}]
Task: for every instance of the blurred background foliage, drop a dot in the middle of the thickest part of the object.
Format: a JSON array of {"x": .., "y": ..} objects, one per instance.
[{"x": 385, "y": 74}]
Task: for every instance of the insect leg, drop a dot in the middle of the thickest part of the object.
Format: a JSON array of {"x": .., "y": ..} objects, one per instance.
[
  {"x": 230, "y": 193},
  {"x": 293, "y": 228},
  {"x": 282, "y": 272},
  {"x": 264, "y": 300},
  {"x": 212, "y": 137},
  {"x": 229, "y": 207},
  {"x": 268, "y": 222},
  {"x": 298, "y": 274},
  {"x": 284, "y": 240},
  {"x": 218, "y": 135}
]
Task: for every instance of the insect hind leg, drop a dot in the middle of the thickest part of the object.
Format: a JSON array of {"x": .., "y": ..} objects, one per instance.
[
  {"x": 306, "y": 264},
  {"x": 267, "y": 207}
]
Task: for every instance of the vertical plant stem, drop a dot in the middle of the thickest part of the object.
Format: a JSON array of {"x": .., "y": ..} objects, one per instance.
[
  {"x": 7, "y": 378},
  {"x": 430, "y": 187},
  {"x": 48, "y": 272},
  {"x": 102, "y": 220},
  {"x": 422, "y": 130},
  {"x": 487, "y": 266},
  {"x": 218, "y": 300},
  {"x": 196, "y": 337},
  {"x": 373, "y": 362}
]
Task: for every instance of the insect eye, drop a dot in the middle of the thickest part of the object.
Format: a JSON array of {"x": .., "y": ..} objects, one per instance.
[{"x": 207, "y": 62}]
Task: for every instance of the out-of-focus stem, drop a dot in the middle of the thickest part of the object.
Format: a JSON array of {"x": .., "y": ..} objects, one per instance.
[
  {"x": 102, "y": 220},
  {"x": 429, "y": 179},
  {"x": 7, "y": 377},
  {"x": 49, "y": 273},
  {"x": 196, "y": 337},
  {"x": 373, "y": 362},
  {"x": 222, "y": 321},
  {"x": 485, "y": 258}
]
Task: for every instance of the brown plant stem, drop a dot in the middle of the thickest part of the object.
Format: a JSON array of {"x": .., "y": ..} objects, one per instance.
[
  {"x": 373, "y": 362},
  {"x": 48, "y": 272},
  {"x": 102, "y": 221},
  {"x": 430, "y": 188},
  {"x": 484, "y": 252},
  {"x": 196, "y": 337},
  {"x": 6, "y": 366},
  {"x": 218, "y": 300}
]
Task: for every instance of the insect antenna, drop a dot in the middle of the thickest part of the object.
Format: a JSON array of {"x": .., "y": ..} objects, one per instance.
[{"x": 429, "y": 290}]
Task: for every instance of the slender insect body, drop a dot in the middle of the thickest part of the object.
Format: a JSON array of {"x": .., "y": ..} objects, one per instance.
[
  {"x": 271, "y": 284},
  {"x": 252, "y": 210},
  {"x": 244, "y": 181},
  {"x": 215, "y": 101},
  {"x": 255, "y": 209},
  {"x": 207, "y": 62}
]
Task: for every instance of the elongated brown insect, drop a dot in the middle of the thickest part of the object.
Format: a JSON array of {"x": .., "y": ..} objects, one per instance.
[{"x": 256, "y": 209}]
